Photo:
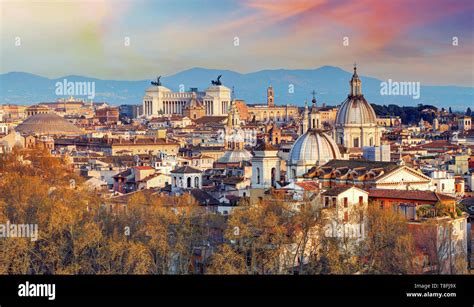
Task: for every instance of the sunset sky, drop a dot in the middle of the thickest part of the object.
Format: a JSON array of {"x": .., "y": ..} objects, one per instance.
[{"x": 402, "y": 40}]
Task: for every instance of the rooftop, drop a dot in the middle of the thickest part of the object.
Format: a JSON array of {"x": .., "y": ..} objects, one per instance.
[{"x": 186, "y": 170}]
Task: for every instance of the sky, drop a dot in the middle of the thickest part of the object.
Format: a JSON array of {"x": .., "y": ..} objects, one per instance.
[{"x": 402, "y": 40}]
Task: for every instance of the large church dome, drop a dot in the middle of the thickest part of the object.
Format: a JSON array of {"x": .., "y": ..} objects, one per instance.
[
  {"x": 355, "y": 110},
  {"x": 47, "y": 124},
  {"x": 356, "y": 121},
  {"x": 313, "y": 147}
]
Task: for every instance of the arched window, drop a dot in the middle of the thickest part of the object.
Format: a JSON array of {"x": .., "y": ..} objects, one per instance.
[
  {"x": 189, "y": 182},
  {"x": 371, "y": 141},
  {"x": 196, "y": 182},
  {"x": 293, "y": 172},
  {"x": 258, "y": 175},
  {"x": 356, "y": 142}
]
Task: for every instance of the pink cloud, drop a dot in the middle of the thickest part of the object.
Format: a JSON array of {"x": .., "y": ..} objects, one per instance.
[{"x": 375, "y": 22}]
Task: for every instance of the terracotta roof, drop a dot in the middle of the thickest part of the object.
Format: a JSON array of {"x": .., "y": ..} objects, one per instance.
[
  {"x": 337, "y": 163},
  {"x": 210, "y": 119},
  {"x": 142, "y": 168},
  {"x": 410, "y": 195},
  {"x": 308, "y": 185}
]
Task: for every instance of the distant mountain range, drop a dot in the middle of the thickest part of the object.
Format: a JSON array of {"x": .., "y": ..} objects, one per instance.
[{"x": 291, "y": 86}]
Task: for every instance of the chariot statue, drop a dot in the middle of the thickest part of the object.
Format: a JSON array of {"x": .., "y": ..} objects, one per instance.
[
  {"x": 157, "y": 82},
  {"x": 218, "y": 81}
]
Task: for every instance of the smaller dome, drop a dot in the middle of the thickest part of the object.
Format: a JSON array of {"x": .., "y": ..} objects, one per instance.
[
  {"x": 312, "y": 147},
  {"x": 47, "y": 124},
  {"x": 235, "y": 156}
]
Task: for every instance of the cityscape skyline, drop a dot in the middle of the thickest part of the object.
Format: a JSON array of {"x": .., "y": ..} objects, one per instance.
[
  {"x": 291, "y": 87},
  {"x": 327, "y": 139}
]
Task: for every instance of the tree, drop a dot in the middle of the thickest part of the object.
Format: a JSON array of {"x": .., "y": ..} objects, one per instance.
[
  {"x": 227, "y": 261},
  {"x": 443, "y": 251},
  {"x": 150, "y": 234},
  {"x": 389, "y": 246},
  {"x": 259, "y": 234}
]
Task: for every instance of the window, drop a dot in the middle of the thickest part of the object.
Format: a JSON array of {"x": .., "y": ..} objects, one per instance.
[
  {"x": 356, "y": 142},
  {"x": 346, "y": 202},
  {"x": 326, "y": 202},
  {"x": 196, "y": 182},
  {"x": 189, "y": 182},
  {"x": 334, "y": 202},
  {"x": 361, "y": 200},
  {"x": 258, "y": 175}
]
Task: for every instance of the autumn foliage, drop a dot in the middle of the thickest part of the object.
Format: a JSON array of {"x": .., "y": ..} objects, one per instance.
[{"x": 81, "y": 232}]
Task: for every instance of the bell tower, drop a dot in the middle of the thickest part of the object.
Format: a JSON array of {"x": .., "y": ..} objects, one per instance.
[
  {"x": 270, "y": 97},
  {"x": 265, "y": 167},
  {"x": 233, "y": 139},
  {"x": 356, "y": 86},
  {"x": 314, "y": 116},
  {"x": 305, "y": 123}
]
